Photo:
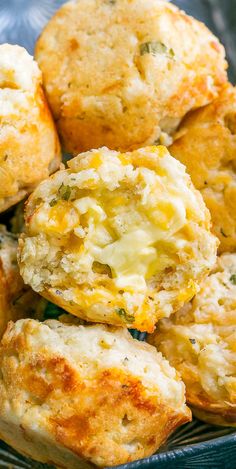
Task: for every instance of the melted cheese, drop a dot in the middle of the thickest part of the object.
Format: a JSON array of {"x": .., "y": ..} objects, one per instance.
[{"x": 133, "y": 257}]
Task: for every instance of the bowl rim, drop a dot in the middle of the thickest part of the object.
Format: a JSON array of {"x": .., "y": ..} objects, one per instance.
[{"x": 182, "y": 452}]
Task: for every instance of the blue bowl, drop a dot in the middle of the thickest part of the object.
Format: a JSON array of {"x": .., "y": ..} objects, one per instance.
[{"x": 195, "y": 444}]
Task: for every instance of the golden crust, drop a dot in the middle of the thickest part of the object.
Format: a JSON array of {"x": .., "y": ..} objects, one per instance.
[
  {"x": 123, "y": 73},
  {"x": 73, "y": 388},
  {"x": 118, "y": 238},
  {"x": 29, "y": 145},
  {"x": 199, "y": 341},
  {"x": 16, "y": 299},
  {"x": 206, "y": 144}
]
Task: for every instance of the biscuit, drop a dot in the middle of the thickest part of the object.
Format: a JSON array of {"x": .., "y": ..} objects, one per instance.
[
  {"x": 29, "y": 146},
  {"x": 123, "y": 73},
  {"x": 93, "y": 394},
  {"x": 199, "y": 341},
  {"x": 16, "y": 299},
  {"x": 206, "y": 144},
  {"x": 119, "y": 238}
]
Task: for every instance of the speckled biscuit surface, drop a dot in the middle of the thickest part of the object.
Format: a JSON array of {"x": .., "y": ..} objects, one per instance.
[
  {"x": 29, "y": 146},
  {"x": 92, "y": 393},
  {"x": 206, "y": 144},
  {"x": 123, "y": 73},
  {"x": 199, "y": 341},
  {"x": 16, "y": 299},
  {"x": 122, "y": 238}
]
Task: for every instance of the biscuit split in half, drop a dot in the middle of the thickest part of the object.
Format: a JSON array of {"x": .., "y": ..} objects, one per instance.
[{"x": 118, "y": 238}]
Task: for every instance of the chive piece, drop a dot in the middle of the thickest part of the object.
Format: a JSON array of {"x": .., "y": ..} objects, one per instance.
[
  {"x": 223, "y": 233},
  {"x": 193, "y": 341},
  {"x": 156, "y": 47},
  {"x": 125, "y": 316},
  {"x": 233, "y": 279},
  {"x": 53, "y": 202},
  {"x": 64, "y": 192}
]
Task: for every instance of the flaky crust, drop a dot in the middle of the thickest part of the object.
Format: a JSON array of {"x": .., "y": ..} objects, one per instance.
[
  {"x": 118, "y": 238},
  {"x": 29, "y": 146},
  {"x": 93, "y": 393},
  {"x": 123, "y": 73},
  {"x": 206, "y": 144},
  {"x": 199, "y": 341},
  {"x": 16, "y": 299}
]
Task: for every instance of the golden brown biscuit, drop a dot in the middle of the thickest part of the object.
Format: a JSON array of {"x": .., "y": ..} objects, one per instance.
[
  {"x": 123, "y": 73},
  {"x": 74, "y": 393},
  {"x": 29, "y": 146},
  {"x": 206, "y": 144},
  {"x": 200, "y": 342},
  {"x": 118, "y": 238},
  {"x": 16, "y": 299}
]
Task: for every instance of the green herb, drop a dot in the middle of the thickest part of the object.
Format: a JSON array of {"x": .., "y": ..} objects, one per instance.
[
  {"x": 223, "y": 233},
  {"x": 125, "y": 316},
  {"x": 53, "y": 202},
  {"x": 5, "y": 157},
  {"x": 156, "y": 47},
  {"x": 64, "y": 192},
  {"x": 52, "y": 311},
  {"x": 233, "y": 279},
  {"x": 193, "y": 341}
]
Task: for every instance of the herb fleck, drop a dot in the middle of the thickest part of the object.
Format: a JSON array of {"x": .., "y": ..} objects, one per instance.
[
  {"x": 156, "y": 47},
  {"x": 233, "y": 279},
  {"x": 5, "y": 157},
  {"x": 64, "y": 192},
  {"x": 223, "y": 233},
  {"x": 53, "y": 202},
  {"x": 125, "y": 316},
  {"x": 193, "y": 341}
]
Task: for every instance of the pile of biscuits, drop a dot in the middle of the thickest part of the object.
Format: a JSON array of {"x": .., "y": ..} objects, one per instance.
[{"x": 136, "y": 231}]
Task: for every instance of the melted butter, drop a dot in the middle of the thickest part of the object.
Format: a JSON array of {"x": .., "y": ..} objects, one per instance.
[{"x": 133, "y": 257}]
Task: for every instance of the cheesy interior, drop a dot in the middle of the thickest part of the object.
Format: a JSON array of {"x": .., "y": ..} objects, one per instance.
[{"x": 123, "y": 215}]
